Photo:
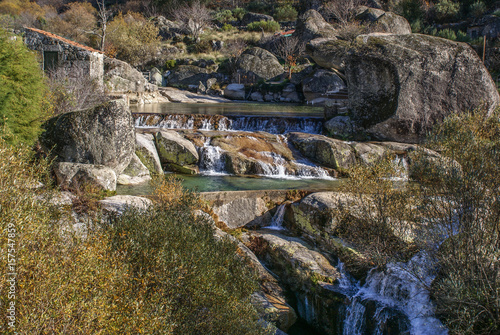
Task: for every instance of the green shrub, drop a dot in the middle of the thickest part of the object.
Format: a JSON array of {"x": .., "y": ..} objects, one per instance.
[
  {"x": 259, "y": 7},
  {"x": 462, "y": 36},
  {"x": 22, "y": 91},
  {"x": 238, "y": 13},
  {"x": 203, "y": 46},
  {"x": 448, "y": 34},
  {"x": 416, "y": 26},
  {"x": 227, "y": 27},
  {"x": 170, "y": 64},
  {"x": 267, "y": 26},
  {"x": 478, "y": 8},
  {"x": 412, "y": 10},
  {"x": 285, "y": 13},
  {"x": 446, "y": 10},
  {"x": 224, "y": 16},
  {"x": 497, "y": 12}
]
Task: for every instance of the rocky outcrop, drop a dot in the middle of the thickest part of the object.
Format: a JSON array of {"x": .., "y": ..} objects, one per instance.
[
  {"x": 383, "y": 22},
  {"x": 255, "y": 17},
  {"x": 321, "y": 81},
  {"x": 176, "y": 95},
  {"x": 74, "y": 176},
  {"x": 135, "y": 173},
  {"x": 260, "y": 62},
  {"x": 401, "y": 85},
  {"x": 176, "y": 153},
  {"x": 145, "y": 149},
  {"x": 103, "y": 135},
  {"x": 340, "y": 126},
  {"x": 121, "y": 77},
  {"x": 311, "y": 25},
  {"x": 325, "y": 151}
]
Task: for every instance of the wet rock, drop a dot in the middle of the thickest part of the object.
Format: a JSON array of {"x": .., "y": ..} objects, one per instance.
[
  {"x": 325, "y": 151},
  {"x": 176, "y": 153},
  {"x": 340, "y": 127}
]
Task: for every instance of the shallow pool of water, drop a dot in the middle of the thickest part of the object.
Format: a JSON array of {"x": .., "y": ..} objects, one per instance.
[
  {"x": 202, "y": 183},
  {"x": 261, "y": 109}
]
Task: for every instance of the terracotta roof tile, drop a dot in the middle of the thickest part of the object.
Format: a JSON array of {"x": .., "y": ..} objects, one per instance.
[{"x": 65, "y": 40}]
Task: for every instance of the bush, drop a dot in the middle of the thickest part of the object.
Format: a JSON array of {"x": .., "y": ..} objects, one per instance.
[
  {"x": 448, "y": 34},
  {"x": 224, "y": 16},
  {"x": 170, "y": 64},
  {"x": 22, "y": 91},
  {"x": 446, "y": 10},
  {"x": 285, "y": 13},
  {"x": 478, "y": 8},
  {"x": 155, "y": 272},
  {"x": 267, "y": 26},
  {"x": 227, "y": 27},
  {"x": 238, "y": 13},
  {"x": 412, "y": 10}
]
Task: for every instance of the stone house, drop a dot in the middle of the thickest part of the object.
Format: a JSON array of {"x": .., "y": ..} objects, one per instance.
[{"x": 57, "y": 52}]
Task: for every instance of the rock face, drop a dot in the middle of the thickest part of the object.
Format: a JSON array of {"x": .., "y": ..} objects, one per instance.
[
  {"x": 189, "y": 75},
  {"x": 103, "y": 135},
  {"x": 74, "y": 176},
  {"x": 146, "y": 151},
  {"x": 311, "y": 25},
  {"x": 121, "y": 77},
  {"x": 383, "y": 22},
  {"x": 135, "y": 173},
  {"x": 325, "y": 151},
  {"x": 400, "y": 85},
  {"x": 320, "y": 82},
  {"x": 261, "y": 62},
  {"x": 176, "y": 153}
]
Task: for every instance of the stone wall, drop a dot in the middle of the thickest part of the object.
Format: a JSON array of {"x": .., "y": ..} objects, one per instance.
[{"x": 71, "y": 56}]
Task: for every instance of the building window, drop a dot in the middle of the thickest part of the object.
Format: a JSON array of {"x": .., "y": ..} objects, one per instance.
[{"x": 50, "y": 60}]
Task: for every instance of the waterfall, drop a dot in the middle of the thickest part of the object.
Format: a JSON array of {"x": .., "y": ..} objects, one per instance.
[
  {"x": 276, "y": 169},
  {"x": 401, "y": 288},
  {"x": 311, "y": 172},
  {"x": 277, "y": 220},
  {"x": 212, "y": 160},
  {"x": 273, "y": 125}
]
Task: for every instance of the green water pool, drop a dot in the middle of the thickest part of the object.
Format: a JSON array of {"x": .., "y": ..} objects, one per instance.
[{"x": 213, "y": 183}]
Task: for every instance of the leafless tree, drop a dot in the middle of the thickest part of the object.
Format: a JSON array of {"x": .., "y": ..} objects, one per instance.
[
  {"x": 195, "y": 18},
  {"x": 289, "y": 49},
  {"x": 343, "y": 11},
  {"x": 233, "y": 49}
]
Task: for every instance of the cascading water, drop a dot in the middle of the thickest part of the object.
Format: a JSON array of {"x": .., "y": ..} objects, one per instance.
[
  {"x": 273, "y": 125},
  {"x": 212, "y": 160},
  {"x": 277, "y": 220},
  {"x": 401, "y": 288}
]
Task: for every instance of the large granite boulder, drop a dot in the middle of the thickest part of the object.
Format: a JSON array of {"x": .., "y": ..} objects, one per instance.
[
  {"x": 176, "y": 153},
  {"x": 118, "y": 204},
  {"x": 74, "y": 176},
  {"x": 311, "y": 25},
  {"x": 260, "y": 62},
  {"x": 320, "y": 82},
  {"x": 401, "y": 85},
  {"x": 121, "y": 77},
  {"x": 325, "y": 151},
  {"x": 383, "y": 22},
  {"x": 235, "y": 92},
  {"x": 102, "y": 135}
]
